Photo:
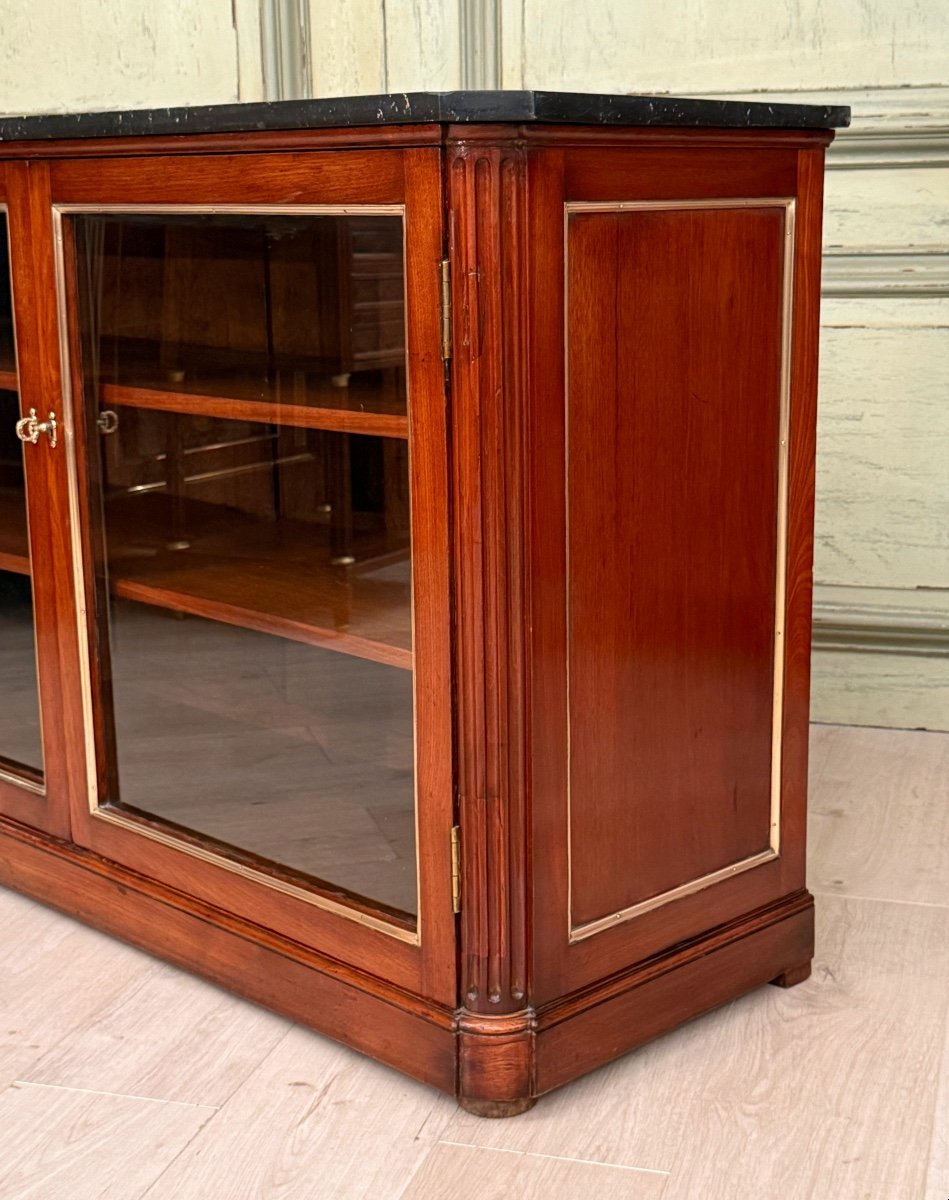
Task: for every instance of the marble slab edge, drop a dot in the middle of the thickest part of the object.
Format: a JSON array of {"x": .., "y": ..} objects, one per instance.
[{"x": 422, "y": 108}]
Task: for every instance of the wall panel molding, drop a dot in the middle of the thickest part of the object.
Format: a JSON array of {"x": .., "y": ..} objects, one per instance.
[
  {"x": 869, "y": 272},
  {"x": 481, "y": 44},
  {"x": 891, "y": 127},
  {"x": 891, "y": 146},
  {"x": 881, "y": 620},
  {"x": 285, "y": 49},
  {"x": 894, "y": 127}
]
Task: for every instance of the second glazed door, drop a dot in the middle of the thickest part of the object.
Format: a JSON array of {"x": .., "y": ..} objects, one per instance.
[{"x": 254, "y": 417}]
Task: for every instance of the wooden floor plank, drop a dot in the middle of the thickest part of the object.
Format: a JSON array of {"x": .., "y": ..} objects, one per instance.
[
  {"x": 452, "y": 1172},
  {"x": 834, "y": 1090},
  {"x": 879, "y": 816},
  {"x": 830, "y": 1085},
  {"x": 55, "y": 976},
  {"x": 937, "y": 1180},
  {"x": 832, "y": 1094},
  {"x": 172, "y": 1038},
  {"x": 66, "y": 1145},
  {"x": 315, "y": 1120}
]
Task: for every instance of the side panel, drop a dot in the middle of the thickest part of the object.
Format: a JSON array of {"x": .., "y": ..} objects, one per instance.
[
  {"x": 671, "y": 490},
  {"x": 674, "y": 321}
]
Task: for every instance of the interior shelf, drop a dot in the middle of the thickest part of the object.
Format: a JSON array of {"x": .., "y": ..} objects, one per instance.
[
  {"x": 274, "y": 576},
  {"x": 271, "y": 576},
  {"x": 248, "y": 387},
  {"x": 8, "y": 378},
  {"x": 14, "y": 547},
  {"x": 342, "y": 420}
]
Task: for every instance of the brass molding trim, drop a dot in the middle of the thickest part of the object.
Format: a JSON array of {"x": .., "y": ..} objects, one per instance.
[
  {"x": 27, "y": 785},
  {"x": 125, "y": 821},
  {"x": 214, "y": 858},
  {"x": 70, "y": 860},
  {"x": 574, "y": 1004},
  {"x": 577, "y": 933}
]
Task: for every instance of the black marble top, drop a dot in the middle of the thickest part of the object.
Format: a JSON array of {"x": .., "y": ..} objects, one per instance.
[{"x": 402, "y": 108}]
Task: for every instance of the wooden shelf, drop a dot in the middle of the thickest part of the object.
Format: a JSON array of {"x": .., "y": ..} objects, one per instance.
[
  {"x": 245, "y": 387},
  {"x": 8, "y": 376},
  {"x": 232, "y": 408},
  {"x": 14, "y": 547},
  {"x": 17, "y": 564},
  {"x": 304, "y": 399},
  {"x": 271, "y": 576}
]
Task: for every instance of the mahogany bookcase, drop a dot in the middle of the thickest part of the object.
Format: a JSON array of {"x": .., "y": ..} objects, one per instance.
[{"x": 406, "y": 513}]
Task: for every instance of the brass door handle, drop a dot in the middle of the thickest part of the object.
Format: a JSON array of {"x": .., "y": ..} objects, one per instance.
[{"x": 28, "y": 429}]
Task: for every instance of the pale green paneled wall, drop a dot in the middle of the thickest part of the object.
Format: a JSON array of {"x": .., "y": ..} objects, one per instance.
[
  {"x": 882, "y": 560},
  {"x": 70, "y": 55}
]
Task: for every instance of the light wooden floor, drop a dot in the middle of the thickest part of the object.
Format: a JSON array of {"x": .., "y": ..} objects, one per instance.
[{"x": 123, "y": 1078}]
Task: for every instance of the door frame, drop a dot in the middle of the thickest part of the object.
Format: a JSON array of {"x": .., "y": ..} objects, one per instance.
[
  {"x": 423, "y": 961},
  {"x": 41, "y": 804}
]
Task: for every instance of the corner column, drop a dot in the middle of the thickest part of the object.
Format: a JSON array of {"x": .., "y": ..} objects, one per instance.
[{"x": 487, "y": 195}]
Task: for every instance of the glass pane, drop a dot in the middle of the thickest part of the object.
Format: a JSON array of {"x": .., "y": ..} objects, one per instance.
[
  {"x": 245, "y": 384},
  {"x": 21, "y": 750}
]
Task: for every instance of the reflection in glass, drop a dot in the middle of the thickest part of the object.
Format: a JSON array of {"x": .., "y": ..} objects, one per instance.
[
  {"x": 245, "y": 385},
  {"x": 21, "y": 750}
]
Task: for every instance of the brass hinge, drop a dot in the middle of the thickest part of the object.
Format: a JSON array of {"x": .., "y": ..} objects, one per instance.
[
  {"x": 456, "y": 868},
  {"x": 445, "y": 269}
]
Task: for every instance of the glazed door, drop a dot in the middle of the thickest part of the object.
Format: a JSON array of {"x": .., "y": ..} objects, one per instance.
[
  {"x": 34, "y": 575},
  {"x": 257, "y": 416}
]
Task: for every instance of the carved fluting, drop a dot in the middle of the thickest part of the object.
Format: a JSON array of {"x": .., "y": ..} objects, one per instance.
[{"x": 487, "y": 186}]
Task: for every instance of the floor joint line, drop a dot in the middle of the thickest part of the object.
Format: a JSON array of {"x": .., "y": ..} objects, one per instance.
[
  {"x": 61, "y": 1087},
  {"x": 587, "y": 1162}
]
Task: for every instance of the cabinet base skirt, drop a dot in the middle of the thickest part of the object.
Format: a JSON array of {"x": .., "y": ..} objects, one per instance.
[
  {"x": 578, "y": 1034},
  {"x": 495, "y": 1066},
  {"x": 383, "y": 1021}
]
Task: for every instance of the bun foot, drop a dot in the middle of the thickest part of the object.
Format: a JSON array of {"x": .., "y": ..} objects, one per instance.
[
  {"x": 793, "y": 976},
  {"x": 497, "y": 1108}
]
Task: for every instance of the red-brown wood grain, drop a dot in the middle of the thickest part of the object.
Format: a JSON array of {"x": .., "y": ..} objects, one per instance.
[
  {"x": 431, "y": 550},
  {"x": 660, "y": 174},
  {"x": 576, "y": 1036},
  {"x": 805, "y": 331},
  {"x": 561, "y": 966},
  {"x": 362, "y": 1009},
  {"x": 320, "y": 177},
  {"x": 488, "y": 247},
  {"x": 411, "y": 177},
  {"x": 594, "y": 558},
  {"x": 25, "y": 192},
  {"x": 495, "y": 1062},
  {"x": 270, "y": 141},
  {"x": 673, "y": 387},
  {"x": 302, "y": 416}
]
